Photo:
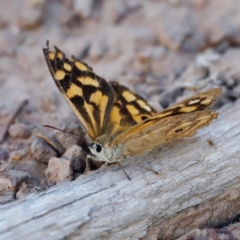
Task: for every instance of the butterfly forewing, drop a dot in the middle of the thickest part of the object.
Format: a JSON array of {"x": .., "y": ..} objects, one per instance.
[{"x": 89, "y": 95}]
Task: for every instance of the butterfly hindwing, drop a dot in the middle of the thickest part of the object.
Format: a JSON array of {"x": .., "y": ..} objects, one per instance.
[
  {"x": 179, "y": 121},
  {"x": 198, "y": 102},
  {"x": 155, "y": 132},
  {"x": 128, "y": 110},
  {"x": 89, "y": 95},
  {"x": 133, "y": 108}
]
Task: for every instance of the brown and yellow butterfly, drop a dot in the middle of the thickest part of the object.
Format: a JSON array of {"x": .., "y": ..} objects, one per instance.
[{"x": 120, "y": 122}]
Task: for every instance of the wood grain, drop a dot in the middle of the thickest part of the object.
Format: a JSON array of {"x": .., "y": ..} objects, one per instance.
[{"x": 198, "y": 187}]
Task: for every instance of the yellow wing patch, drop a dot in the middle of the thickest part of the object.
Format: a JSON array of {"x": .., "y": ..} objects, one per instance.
[
  {"x": 129, "y": 97},
  {"x": 73, "y": 91},
  {"x": 88, "y": 81},
  {"x": 67, "y": 67},
  {"x": 82, "y": 67},
  {"x": 60, "y": 75}
]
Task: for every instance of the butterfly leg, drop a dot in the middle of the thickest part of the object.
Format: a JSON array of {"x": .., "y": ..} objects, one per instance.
[
  {"x": 144, "y": 167},
  {"x": 92, "y": 163},
  {"x": 87, "y": 168},
  {"x": 124, "y": 171}
]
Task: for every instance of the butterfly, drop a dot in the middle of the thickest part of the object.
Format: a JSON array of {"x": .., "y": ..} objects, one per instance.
[{"x": 120, "y": 122}]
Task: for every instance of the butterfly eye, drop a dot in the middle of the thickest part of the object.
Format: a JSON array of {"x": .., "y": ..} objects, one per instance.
[{"x": 98, "y": 148}]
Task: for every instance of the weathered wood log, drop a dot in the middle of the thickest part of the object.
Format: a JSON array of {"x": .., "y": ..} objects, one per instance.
[{"x": 198, "y": 186}]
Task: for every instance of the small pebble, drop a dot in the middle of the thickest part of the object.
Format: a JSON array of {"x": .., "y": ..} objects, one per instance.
[
  {"x": 19, "y": 154},
  {"x": 19, "y": 130},
  {"x": 58, "y": 170},
  {"x": 83, "y": 8},
  {"x": 9, "y": 182},
  {"x": 152, "y": 53},
  {"x": 30, "y": 16},
  {"x": 3, "y": 166},
  {"x": 41, "y": 151},
  {"x": 76, "y": 156},
  {"x": 98, "y": 49},
  {"x": 170, "y": 97},
  {"x": 24, "y": 190},
  {"x": 3, "y": 154}
]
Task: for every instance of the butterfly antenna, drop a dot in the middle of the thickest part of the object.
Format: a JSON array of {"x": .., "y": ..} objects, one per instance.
[
  {"x": 124, "y": 171},
  {"x": 86, "y": 137},
  {"x": 48, "y": 126}
]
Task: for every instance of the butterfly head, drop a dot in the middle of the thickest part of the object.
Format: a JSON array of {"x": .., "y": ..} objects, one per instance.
[{"x": 101, "y": 153}]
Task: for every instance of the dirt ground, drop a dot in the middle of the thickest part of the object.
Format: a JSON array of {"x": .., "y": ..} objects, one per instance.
[{"x": 163, "y": 50}]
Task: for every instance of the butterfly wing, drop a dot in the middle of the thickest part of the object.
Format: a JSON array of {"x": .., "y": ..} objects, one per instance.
[
  {"x": 89, "y": 95},
  {"x": 128, "y": 110},
  {"x": 198, "y": 102},
  {"x": 132, "y": 107},
  {"x": 155, "y": 132},
  {"x": 180, "y": 121}
]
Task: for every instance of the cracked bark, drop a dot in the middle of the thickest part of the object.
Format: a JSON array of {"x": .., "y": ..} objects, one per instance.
[{"x": 198, "y": 187}]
